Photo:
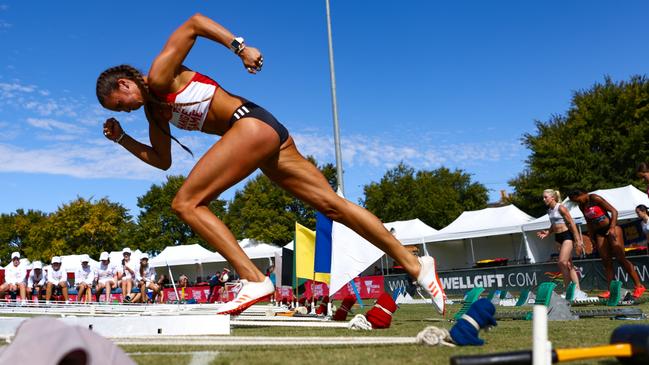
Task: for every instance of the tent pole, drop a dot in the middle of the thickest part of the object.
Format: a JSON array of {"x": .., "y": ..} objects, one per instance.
[
  {"x": 173, "y": 283},
  {"x": 520, "y": 248},
  {"x": 528, "y": 251},
  {"x": 423, "y": 244},
  {"x": 472, "y": 253}
]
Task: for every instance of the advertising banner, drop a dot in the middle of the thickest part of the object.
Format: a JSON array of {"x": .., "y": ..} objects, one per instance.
[
  {"x": 369, "y": 287},
  {"x": 199, "y": 293},
  {"x": 284, "y": 292},
  {"x": 590, "y": 271}
]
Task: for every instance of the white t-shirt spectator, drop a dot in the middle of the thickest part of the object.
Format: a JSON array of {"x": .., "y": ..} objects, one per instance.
[
  {"x": 56, "y": 276},
  {"x": 127, "y": 274},
  {"x": 105, "y": 272},
  {"x": 15, "y": 274},
  {"x": 84, "y": 275},
  {"x": 36, "y": 280},
  {"x": 148, "y": 275}
]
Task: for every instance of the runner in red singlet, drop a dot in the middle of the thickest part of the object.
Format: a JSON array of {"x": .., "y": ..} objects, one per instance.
[{"x": 607, "y": 235}]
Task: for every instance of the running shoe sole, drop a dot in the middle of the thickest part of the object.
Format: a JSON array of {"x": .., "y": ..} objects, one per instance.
[{"x": 238, "y": 310}]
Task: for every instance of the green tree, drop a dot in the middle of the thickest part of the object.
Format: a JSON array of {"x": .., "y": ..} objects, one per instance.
[
  {"x": 265, "y": 212},
  {"x": 81, "y": 226},
  {"x": 435, "y": 197},
  {"x": 597, "y": 144},
  {"x": 14, "y": 231},
  {"x": 158, "y": 226}
]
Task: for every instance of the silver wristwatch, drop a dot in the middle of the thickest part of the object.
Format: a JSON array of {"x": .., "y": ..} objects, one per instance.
[{"x": 237, "y": 45}]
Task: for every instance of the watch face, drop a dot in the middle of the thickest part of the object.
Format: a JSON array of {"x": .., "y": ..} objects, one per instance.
[{"x": 237, "y": 43}]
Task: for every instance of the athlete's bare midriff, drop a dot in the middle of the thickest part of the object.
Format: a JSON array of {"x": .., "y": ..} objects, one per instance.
[
  {"x": 559, "y": 228},
  {"x": 221, "y": 109}
]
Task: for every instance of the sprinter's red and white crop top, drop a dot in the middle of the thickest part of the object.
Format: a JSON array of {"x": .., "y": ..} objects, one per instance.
[{"x": 198, "y": 95}]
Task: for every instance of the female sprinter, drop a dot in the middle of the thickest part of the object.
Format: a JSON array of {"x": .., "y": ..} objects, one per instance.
[
  {"x": 603, "y": 230},
  {"x": 251, "y": 138},
  {"x": 642, "y": 171},
  {"x": 566, "y": 234}
]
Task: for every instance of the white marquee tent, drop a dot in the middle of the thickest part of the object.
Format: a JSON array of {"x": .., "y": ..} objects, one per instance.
[
  {"x": 411, "y": 232},
  {"x": 71, "y": 263},
  {"x": 191, "y": 260},
  {"x": 259, "y": 250},
  {"x": 195, "y": 260},
  {"x": 184, "y": 255},
  {"x": 480, "y": 234},
  {"x": 624, "y": 199}
]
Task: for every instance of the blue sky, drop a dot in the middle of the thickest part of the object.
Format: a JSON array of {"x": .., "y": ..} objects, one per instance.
[{"x": 432, "y": 84}]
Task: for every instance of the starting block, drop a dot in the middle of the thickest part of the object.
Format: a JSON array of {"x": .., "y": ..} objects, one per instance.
[
  {"x": 559, "y": 308},
  {"x": 469, "y": 298},
  {"x": 619, "y": 296}
]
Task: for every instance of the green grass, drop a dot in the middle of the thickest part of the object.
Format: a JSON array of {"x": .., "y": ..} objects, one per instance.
[{"x": 408, "y": 321}]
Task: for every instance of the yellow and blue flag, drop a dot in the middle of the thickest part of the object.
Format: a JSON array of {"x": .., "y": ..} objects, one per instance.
[
  {"x": 322, "y": 264},
  {"x": 304, "y": 252}
]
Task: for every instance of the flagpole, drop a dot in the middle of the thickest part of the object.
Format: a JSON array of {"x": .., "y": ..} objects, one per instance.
[
  {"x": 295, "y": 265},
  {"x": 332, "y": 73}
]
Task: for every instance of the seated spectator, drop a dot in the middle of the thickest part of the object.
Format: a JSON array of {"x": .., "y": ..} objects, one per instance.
[
  {"x": 36, "y": 281},
  {"x": 214, "y": 279},
  {"x": 214, "y": 285},
  {"x": 183, "y": 281},
  {"x": 270, "y": 272},
  {"x": 106, "y": 277},
  {"x": 84, "y": 277},
  {"x": 15, "y": 276},
  {"x": 163, "y": 281},
  {"x": 183, "y": 284},
  {"x": 126, "y": 275},
  {"x": 56, "y": 278},
  {"x": 146, "y": 280}
]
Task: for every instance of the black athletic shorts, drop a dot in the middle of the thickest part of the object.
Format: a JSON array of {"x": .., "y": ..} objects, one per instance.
[
  {"x": 563, "y": 236},
  {"x": 253, "y": 110},
  {"x": 602, "y": 231}
]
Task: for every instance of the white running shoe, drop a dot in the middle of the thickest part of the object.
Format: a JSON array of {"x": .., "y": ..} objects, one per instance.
[
  {"x": 249, "y": 294},
  {"x": 429, "y": 281}
]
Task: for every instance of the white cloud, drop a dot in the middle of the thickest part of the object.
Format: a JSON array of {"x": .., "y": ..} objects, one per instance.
[
  {"x": 51, "y": 124},
  {"x": 363, "y": 150},
  {"x": 31, "y": 98},
  {"x": 105, "y": 161},
  {"x": 15, "y": 87},
  {"x": 68, "y": 131},
  {"x": 7, "y": 131}
]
